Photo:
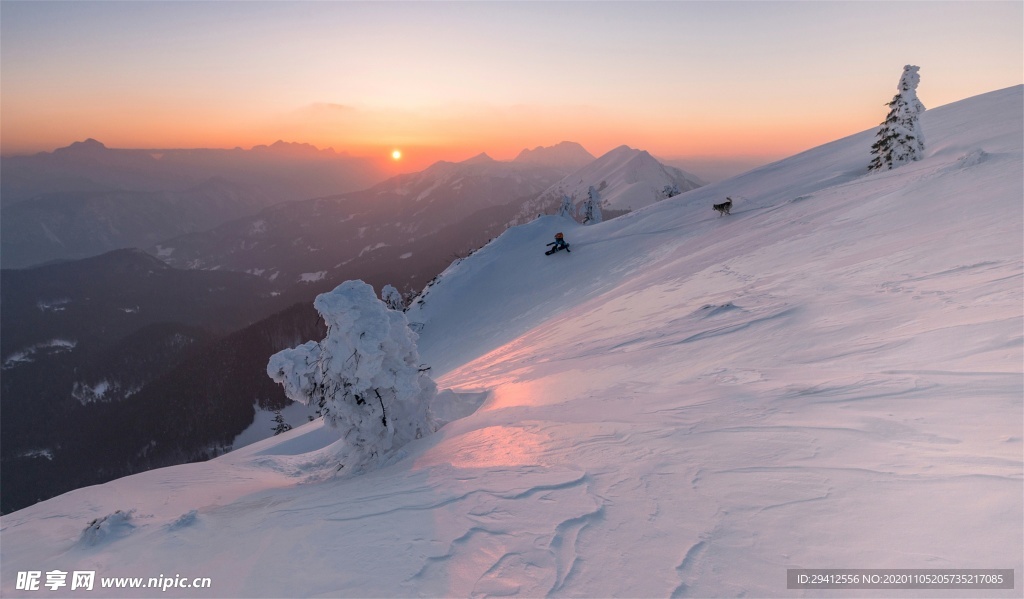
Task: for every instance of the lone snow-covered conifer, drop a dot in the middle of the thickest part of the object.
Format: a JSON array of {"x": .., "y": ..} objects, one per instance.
[
  {"x": 365, "y": 375},
  {"x": 280, "y": 426},
  {"x": 900, "y": 139},
  {"x": 592, "y": 208},
  {"x": 392, "y": 298},
  {"x": 567, "y": 208}
]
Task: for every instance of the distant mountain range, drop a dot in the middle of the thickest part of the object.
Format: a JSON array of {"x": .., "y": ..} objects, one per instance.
[
  {"x": 413, "y": 224},
  {"x": 285, "y": 171},
  {"x": 399, "y": 232},
  {"x": 87, "y": 199}
]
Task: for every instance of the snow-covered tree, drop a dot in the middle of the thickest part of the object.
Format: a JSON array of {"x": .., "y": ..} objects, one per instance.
[
  {"x": 392, "y": 298},
  {"x": 670, "y": 190},
  {"x": 592, "y": 207},
  {"x": 365, "y": 375},
  {"x": 280, "y": 425},
  {"x": 900, "y": 139},
  {"x": 567, "y": 208}
]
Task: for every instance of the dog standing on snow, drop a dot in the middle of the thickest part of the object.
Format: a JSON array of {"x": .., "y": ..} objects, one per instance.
[{"x": 724, "y": 207}]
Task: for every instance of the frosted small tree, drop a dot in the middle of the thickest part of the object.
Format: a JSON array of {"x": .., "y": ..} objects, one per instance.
[
  {"x": 900, "y": 139},
  {"x": 364, "y": 376},
  {"x": 280, "y": 425},
  {"x": 567, "y": 208},
  {"x": 670, "y": 191},
  {"x": 392, "y": 298},
  {"x": 592, "y": 207}
]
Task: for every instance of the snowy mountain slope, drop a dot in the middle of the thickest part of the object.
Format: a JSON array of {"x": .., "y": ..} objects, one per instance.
[
  {"x": 686, "y": 224},
  {"x": 627, "y": 179},
  {"x": 685, "y": 405}
]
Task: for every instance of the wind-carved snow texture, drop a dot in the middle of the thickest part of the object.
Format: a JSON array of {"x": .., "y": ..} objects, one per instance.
[
  {"x": 513, "y": 540},
  {"x": 686, "y": 406}
]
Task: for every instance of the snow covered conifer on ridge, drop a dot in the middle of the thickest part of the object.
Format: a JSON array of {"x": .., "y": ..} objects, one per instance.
[
  {"x": 365, "y": 375},
  {"x": 900, "y": 139},
  {"x": 592, "y": 207},
  {"x": 567, "y": 207},
  {"x": 392, "y": 298}
]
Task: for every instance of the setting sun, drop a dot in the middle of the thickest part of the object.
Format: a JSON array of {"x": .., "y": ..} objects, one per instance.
[{"x": 396, "y": 155}]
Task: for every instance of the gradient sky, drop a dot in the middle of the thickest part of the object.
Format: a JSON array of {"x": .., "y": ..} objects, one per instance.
[{"x": 450, "y": 80}]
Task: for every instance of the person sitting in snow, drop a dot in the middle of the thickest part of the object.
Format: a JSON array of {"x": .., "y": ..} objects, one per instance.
[{"x": 559, "y": 244}]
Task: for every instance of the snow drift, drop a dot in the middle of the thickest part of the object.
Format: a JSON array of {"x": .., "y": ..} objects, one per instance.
[{"x": 686, "y": 405}]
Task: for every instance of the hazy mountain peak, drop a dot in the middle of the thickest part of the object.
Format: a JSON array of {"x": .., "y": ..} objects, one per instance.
[
  {"x": 127, "y": 258},
  {"x": 645, "y": 159},
  {"x": 481, "y": 158},
  {"x": 295, "y": 148},
  {"x": 88, "y": 145},
  {"x": 567, "y": 155},
  {"x": 622, "y": 150}
]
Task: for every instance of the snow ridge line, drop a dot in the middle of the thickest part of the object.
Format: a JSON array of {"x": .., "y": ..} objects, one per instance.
[
  {"x": 687, "y": 567},
  {"x": 564, "y": 546}
]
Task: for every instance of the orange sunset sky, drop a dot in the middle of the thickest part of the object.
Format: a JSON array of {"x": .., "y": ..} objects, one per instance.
[{"x": 441, "y": 80}]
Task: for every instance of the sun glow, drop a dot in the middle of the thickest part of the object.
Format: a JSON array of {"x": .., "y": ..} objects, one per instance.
[{"x": 396, "y": 155}]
